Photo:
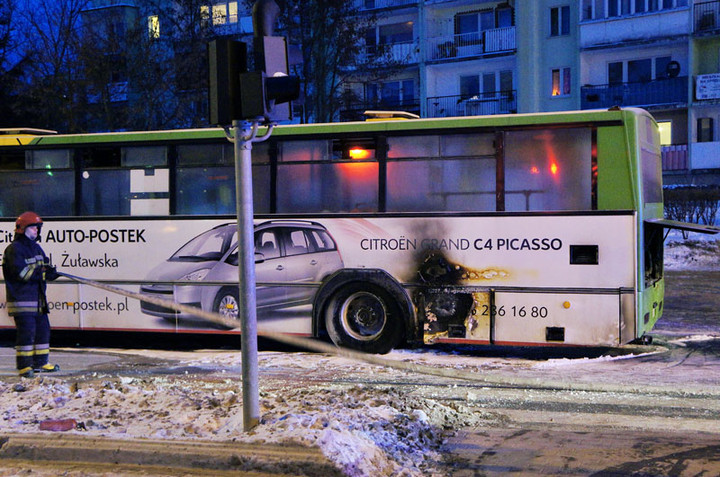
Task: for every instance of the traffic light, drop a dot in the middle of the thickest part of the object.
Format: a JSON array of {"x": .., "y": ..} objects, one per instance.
[
  {"x": 268, "y": 96},
  {"x": 235, "y": 93},
  {"x": 227, "y": 60},
  {"x": 267, "y": 91},
  {"x": 279, "y": 89}
]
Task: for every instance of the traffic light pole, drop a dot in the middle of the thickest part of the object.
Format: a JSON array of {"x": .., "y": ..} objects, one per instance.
[{"x": 244, "y": 134}]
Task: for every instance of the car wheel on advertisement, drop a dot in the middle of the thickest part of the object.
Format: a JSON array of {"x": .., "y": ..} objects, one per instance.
[
  {"x": 364, "y": 317},
  {"x": 226, "y": 303}
]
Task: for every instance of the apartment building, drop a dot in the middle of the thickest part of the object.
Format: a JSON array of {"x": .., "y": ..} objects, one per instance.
[
  {"x": 468, "y": 57},
  {"x": 494, "y": 57}
]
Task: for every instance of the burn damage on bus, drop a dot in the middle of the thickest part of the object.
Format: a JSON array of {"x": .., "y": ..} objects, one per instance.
[{"x": 447, "y": 305}]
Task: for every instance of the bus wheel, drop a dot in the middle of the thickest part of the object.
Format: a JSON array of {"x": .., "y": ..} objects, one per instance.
[
  {"x": 364, "y": 317},
  {"x": 226, "y": 303}
]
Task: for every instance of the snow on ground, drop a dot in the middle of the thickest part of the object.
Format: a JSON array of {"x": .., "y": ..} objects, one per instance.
[
  {"x": 363, "y": 430},
  {"x": 366, "y": 430},
  {"x": 697, "y": 252}
]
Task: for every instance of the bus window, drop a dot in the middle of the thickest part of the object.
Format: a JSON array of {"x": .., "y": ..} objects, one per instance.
[
  {"x": 650, "y": 160},
  {"x": 205, "y": 155},
  {"x": 105, "y": 192},
  {"x": 549, "y": 169},
  {"x": 463, "y": 180},
  {"x": 48, "y": 159},
  {"x": 205, "y": 179},
  {"x": 152, "y": 156},
  {"x": 124, "y": 181},
  {"x": 343, "y": 174},
  {"x": 43, "y": 181},
  {"x": 317, "y": 150},
  {"x": 651, "y": 176},
  {"x": 105, "y": 186},
  {"x": 49, "y": 192}
]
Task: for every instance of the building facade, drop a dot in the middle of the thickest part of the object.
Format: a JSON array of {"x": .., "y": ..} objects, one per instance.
[
  {"x": 478, "y": 57},
  {"x": 495, "y": 57}
]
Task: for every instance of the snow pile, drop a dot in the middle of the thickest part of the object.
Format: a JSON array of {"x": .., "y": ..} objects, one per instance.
[
  {"x": 364, "y": 431},
  {"x": 693, "y": 339},
  {"x": 693, "y": 253},
  {"x": 558, "y": 362}
]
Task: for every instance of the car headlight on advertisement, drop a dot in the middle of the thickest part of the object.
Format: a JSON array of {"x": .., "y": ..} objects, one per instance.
[{"x": 196, "y": 276}]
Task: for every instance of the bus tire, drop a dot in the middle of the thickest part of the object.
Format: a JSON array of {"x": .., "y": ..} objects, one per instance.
[
  {"x": 364, "y": 317},
  {"x": 227, "y": 303}
]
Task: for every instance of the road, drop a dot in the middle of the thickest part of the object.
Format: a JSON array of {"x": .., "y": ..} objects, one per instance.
[{"x": 631, "y": 411}]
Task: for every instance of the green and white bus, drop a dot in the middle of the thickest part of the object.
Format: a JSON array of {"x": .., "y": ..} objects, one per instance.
[{"x": 527, "y": 229}]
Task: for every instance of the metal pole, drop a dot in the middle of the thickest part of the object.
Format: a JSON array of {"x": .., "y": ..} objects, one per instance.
[{"x": 244, "y": 133}]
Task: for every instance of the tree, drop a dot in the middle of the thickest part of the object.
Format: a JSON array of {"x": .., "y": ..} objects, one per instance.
[
  {"x": 330, "y": 35},
  {"x": 168, "y": 66},
  {"x": 49, "y": 83},
  {"x": 8, "y": 65}
]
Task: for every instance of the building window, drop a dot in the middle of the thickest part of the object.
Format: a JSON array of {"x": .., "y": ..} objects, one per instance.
[
  {"x": 486, "y": 85},
  {"x": 395, "y": 33},
  {"x": 153, "y": 27},
  {"x": 474, "y": 22},
  {"x": 392, "y": 93},
  {"x": 705, "y": 130},
  {"x": 560, "y": 21},
  {"x": 638, "y": 71},
  {"x": 469, "y": 86},
  {"x": 662, "y": 67},
  {"x": 223, "y": 13},
  {"x": 615, "y": 72},
  {"x": 561, "y": 82},
  {"x": 665, "y": 128},
  {"x": 599, "y": 9}
]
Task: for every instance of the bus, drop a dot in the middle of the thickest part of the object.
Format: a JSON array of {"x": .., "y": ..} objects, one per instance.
[{"x": 523, "y": 230}]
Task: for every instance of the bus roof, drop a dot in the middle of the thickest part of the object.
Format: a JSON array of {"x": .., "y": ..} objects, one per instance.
[
  {"x": 399, "y": 125},
  {"x": 21, "y": 136}
]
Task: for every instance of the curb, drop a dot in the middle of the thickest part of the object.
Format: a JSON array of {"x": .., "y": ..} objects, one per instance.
[{"x": 271, "y": 459}]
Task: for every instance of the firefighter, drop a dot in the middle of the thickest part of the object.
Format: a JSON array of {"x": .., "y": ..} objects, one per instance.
[{"x": 26, "y": 269}]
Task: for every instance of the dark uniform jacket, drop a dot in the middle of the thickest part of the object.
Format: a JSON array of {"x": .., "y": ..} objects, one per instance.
[{"x": 23, "y": 268}]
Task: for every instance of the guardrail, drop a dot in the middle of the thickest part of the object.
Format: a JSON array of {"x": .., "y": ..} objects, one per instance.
[
  {"x": 496, "y": 102},
  {"x": 675, "y": 157},
  {"x": 662, "y": 91},
  {"x": 496, "y": 40}
]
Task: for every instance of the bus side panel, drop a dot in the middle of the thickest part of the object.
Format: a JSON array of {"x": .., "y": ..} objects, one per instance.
[
  {"x": 453, "y": 268},
  {"x": 628, "y": 322},
  {"x": 564, "y": 318}
]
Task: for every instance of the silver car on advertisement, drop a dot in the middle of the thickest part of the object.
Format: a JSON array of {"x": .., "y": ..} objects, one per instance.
[{"x": 288, "y": 253}]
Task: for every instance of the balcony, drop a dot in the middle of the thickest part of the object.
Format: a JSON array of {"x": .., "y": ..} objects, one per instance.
[
  {"x": 706, "y": 155},
  {"x": 706, "y": 18},
  {"x": 644, "y": 28},
  {"x": 404, "y": 53},
  {"x": 663, "y": 92},
  {"x": 675, "y": 158},
  {"x": 366, "y": 5},
  {"x": 496, "y": 40},
  {"x": 498, "y": 102}
]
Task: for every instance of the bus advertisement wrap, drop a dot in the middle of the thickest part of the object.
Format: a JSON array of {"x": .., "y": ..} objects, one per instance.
[{"x": 547, "y": 272}]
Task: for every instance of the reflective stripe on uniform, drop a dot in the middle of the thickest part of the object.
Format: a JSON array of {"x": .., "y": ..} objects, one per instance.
[
  {"x": 15, "y": 307},
  {"x": 31, "y": 264},
  {"x": 25, "y": 350}
]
